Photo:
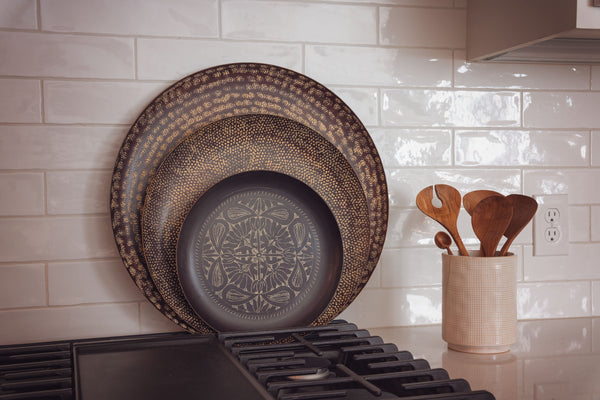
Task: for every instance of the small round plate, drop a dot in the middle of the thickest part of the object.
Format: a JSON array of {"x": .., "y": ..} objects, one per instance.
[{"x": 260, "y": 250}]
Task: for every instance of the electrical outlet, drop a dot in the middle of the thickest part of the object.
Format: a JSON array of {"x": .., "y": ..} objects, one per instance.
[{"x": 551, "y": 225}]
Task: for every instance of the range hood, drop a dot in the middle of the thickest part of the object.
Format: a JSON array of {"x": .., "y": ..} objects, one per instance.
[{"x": 556, "y": 31}]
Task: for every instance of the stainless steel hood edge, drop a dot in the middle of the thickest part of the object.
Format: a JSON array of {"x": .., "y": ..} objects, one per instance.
[{"x": 555, "y": 31}]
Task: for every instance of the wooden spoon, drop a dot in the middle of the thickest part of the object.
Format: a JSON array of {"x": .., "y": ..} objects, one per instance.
[
  {"x": 447, "y": 213},
  {"x": 491, "y": 216},
  {"x": 443, "y": 241},
  {"x": 471, "y": 199},
  {"x": 524, "y": 208}
]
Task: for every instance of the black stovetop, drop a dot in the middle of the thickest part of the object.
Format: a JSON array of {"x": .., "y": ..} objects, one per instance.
[{"x": 337, "y": 361}]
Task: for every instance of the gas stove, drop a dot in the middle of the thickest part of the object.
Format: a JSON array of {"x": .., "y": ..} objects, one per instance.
[{"x": 336, "y": 361}]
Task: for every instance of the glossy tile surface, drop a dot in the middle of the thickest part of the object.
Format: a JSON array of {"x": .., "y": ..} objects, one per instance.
[
  {"x": 77, "y": 73},
  {"x": 59, "y": 147},
  {"x": 188, "y": 18},
  {"x": 18, "y": 14},
  {"x": 22, "y": 285},
  {"x": 568, "y": 110},
  {"x": 20, "y": 101},
  {"x": 21, "y": 194},
  {"x": 552, "y": 359},
  {"x": 78, "y": 192},
  {"x": 266, "y": 20},
  {"x": 66, "y": 56},
  {"x": 160, "y": 59},
  {"x": 423, "y": 27},
  {"x": 97, "y": 102},
  {"x": 520, "y": 148},
  {"x": 413, "y": 147},
  {"x": 415, "y": 107},
  {"x": 345, "y": 65},
  {"x": 98, "y": 282}
]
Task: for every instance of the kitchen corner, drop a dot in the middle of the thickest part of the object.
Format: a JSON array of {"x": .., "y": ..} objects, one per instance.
[{"x": 75, "y": 74}]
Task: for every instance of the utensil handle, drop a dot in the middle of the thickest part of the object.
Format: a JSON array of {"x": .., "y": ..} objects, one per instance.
[
  {"x": 505, "y": 247},
  {"x": 462, "y": 250}
]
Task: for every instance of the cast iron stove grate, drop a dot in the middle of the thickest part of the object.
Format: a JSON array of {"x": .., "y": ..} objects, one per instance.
[
  {"x": 337, "y": 361},
  {"x": 340, "y": 361}
]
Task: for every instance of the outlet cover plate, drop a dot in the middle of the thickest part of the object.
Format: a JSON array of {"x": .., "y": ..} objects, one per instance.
[{"x": 551, "y": 225}]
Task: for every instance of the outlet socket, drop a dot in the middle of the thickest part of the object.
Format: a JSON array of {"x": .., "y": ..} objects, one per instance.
[{"x": 551, "y": 225}]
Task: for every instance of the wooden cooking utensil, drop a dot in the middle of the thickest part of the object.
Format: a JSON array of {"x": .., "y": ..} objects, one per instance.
[
  {"x": 447, "y": 213},
  {"x": 443, "y": 241},
  {"x": 524, "y": 208},
  {"x": 471, "y": 199},
  {"x": 491, "y": 216}
]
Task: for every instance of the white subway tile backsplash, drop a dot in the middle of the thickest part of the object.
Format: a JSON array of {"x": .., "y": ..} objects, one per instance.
[
  {"x": 568, "y": 110},
  {"x": 423, "y": 27},
  {"x": 78, "y": 192},
  {"x": 581, "y": 263},
  {"x": 59, "y": 147},
  {"x": 417, "y": 107},
  {"x": 519, "y": 75},
  {"x": 152, "y": 321},
  {"x": 56, "y": 238},
  {"x": 404, "y": 184},
  {"x": 71, "y": 56},
  {"x": 363, "y": 101},
  {"x": 22, "y": 285},
  {"x": 595, "y": 224},
  {"x": 325, "y": 23},
  {"x": 20, "y": 101},
  {"x": 97, "y": 282},
  {"x": 411, "y": 306},
  {"x": 175, "y": 58},
  {"x": 579, "y": 224},
  {"x": 553, "y": 300},
  {"x": 72, "y": 102},
  {"x": 413, "y": 147},
  {"x": 18, "y": 14},
  {"x": 574, "y": 182},
  {"x": 59, "y": 323},
  {"x": 410, "y": 267},
  {"x": 376, "y": 66},
  {"x": 520, "y": 148},
  {"x": 188, "y": 18},
  {"x": 21, "y": 193}
]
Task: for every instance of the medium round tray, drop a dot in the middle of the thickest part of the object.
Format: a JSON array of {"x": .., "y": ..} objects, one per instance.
[
  {"x": 246, "y": 144},
  {"x": 225, "y": 91}
]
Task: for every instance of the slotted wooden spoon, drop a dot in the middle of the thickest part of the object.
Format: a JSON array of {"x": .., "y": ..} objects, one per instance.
[
  {"x": 491, "y": 216},
  {"x": 447, "y": 213},
  {"x": 524, "y": 208},
  {"x": 471, "y": 199}
]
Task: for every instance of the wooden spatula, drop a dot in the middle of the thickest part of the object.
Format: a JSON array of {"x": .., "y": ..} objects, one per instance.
[
  {"x": 491, "y": 216},
  {"x": 447, "y": 213},
  {"x": 524, "y": 208},
  {"x": 471, "y": 199}
]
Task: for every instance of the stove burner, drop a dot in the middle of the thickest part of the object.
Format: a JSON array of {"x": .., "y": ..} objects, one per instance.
[{"x": 337, "y": 361}]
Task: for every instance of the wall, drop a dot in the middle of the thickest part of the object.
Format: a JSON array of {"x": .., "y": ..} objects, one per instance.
[{"x": 75, "y": 74}]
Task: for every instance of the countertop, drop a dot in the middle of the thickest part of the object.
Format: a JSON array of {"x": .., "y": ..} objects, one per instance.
[{"x": 552, "y": 359}]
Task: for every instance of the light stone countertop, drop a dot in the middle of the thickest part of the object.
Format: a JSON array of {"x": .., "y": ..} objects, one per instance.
[{"x": 552, "y": 359}]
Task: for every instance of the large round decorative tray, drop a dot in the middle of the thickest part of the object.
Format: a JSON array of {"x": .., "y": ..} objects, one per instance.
[{"x": 222, "y": 92}]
